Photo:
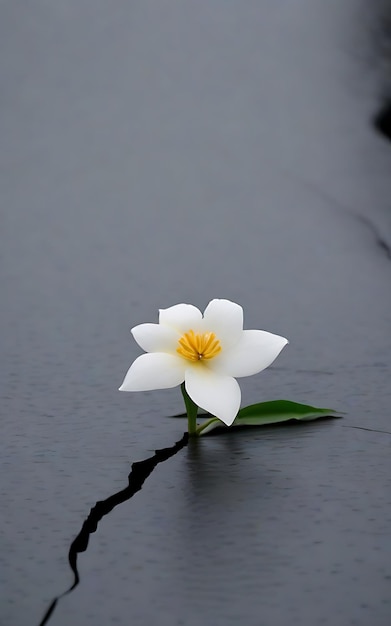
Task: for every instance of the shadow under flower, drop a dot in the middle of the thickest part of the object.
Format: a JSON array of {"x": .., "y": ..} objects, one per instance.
[{"x": 140, "y": 471}]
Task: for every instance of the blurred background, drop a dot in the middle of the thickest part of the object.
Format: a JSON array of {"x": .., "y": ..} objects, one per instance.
[{"x": 172, "y": 151}]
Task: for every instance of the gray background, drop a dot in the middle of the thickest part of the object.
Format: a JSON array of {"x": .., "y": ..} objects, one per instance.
[{"x": 171, "y": 151}]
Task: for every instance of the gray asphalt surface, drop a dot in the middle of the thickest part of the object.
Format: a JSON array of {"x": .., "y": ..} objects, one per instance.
[{"x": 159, "y": 152}]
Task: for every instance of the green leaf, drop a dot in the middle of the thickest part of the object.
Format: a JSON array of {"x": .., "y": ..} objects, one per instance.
[{"x": 273, "y": 412}]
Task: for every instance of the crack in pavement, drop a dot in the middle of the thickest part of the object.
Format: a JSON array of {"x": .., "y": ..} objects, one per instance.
[
  {"x": 371, "y": 430},
  {"x": 140, "y": 471},
  {"x": 381, "y": 242},
  {"x": 280, "y": 368}
]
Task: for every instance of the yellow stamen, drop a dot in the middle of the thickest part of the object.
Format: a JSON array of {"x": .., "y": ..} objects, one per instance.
[{"x": 198, "y": 346}]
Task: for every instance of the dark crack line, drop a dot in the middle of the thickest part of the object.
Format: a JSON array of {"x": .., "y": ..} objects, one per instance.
[
  {"x": 280, "y": 368},
  {"x": 379, "y": 240},
  {"x": 381, "y": 243},
  {"x": 140, "y": 471},
  {"x": 371, "y": 430}
]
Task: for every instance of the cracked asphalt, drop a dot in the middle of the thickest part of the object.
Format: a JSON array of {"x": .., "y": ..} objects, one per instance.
[{"x": 160, "y": 152}]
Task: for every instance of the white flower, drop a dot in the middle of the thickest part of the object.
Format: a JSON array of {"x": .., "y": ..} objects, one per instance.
[{"x": 205, "y": 352}]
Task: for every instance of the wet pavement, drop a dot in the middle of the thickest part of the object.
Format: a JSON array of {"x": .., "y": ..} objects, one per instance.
[{"x": 163, "y": 152}]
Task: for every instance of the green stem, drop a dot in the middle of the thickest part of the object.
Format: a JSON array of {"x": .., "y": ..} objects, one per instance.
[
  {"x": 205, "y": 424},
  {"x": 191, "y": 410}
]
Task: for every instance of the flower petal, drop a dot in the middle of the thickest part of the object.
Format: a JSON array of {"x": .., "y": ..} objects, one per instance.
[
  {"x": 225, "y": 319},
  {"x": 154, "y": 371},
  {"x": 156, "y": 337},
  {"x": 182, "y": 317},
  {"x": 219, "y": 395},
  {"x": 256, "y": 350}
]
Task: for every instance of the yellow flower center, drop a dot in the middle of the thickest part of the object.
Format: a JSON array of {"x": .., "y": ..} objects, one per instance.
[{"x": 198, "y": 346}]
